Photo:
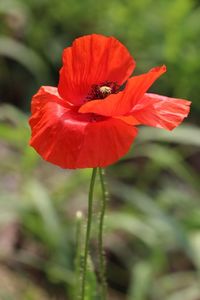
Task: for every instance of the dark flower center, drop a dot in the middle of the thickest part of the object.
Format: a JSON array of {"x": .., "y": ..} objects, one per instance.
[{"x": 101, "y": 91}]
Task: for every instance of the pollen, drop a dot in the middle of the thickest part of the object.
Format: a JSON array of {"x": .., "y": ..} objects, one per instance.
[
  {"x": 101, "y": 91},
  {"x": 105, "y": 90}
]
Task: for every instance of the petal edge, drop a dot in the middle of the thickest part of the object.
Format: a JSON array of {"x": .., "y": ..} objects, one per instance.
[
  {"x": 161, "y": 111},
  {"x": 93, "y": 59}
]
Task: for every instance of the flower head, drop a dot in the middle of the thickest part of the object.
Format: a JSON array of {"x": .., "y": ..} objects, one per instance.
[{"x": 88, "y": 121}]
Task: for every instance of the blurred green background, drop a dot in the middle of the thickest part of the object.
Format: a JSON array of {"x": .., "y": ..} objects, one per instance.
[{"x": 152, "y": 232}]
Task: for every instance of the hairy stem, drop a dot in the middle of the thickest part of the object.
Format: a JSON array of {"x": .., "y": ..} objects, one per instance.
[
  {"x": 88, "y": 229},
  {"x": 102, "y": 263}
]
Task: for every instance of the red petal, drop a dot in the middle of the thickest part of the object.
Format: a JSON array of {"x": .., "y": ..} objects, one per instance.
[
  {"x": 44, "y": 95},
  {"x": 93, "y": 59},
  {"x": 105, "y": 142},
  {"x": 123, "y": 102},
  {"x": 161, "y": 111},
  {"x": 129, "y": 120},
  {"x": 72, "y": 140}
]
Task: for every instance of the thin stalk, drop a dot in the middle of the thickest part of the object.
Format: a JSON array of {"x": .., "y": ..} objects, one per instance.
[
  {"x": 88, "y": 230},
  {"x": 102, "y": 262}
]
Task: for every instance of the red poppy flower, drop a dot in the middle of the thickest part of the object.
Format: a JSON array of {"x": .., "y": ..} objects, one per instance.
[{"x": 88, "y": 121}]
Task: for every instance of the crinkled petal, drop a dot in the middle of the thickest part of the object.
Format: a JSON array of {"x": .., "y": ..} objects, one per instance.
[
  {"x": 46, "y": 94},
  {"x": 161, "y": 111},
  {"x": 72, "y": 140},
  {"x": 93, "y": 59},
  {"x": 123, "y": 102}
]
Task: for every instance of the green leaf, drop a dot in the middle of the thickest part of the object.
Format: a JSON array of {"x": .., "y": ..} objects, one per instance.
[
  {"x": 140, "y": 281},
  {"x": 185, "y": 135},
  {"x": 25, "y": 56}
]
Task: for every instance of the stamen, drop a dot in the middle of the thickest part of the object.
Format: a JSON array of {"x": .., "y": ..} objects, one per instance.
[
  {"x": 105, "y": 90},
  {"x": 101, "y": 91}
]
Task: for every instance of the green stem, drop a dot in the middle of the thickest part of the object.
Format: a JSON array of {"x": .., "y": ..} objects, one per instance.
[
  {"x": 88, "y": 229},
  {"x": 102, "y": 263}
]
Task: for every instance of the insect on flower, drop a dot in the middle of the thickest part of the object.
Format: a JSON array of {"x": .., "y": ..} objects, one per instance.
[{"x": 88, "y": 121}]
